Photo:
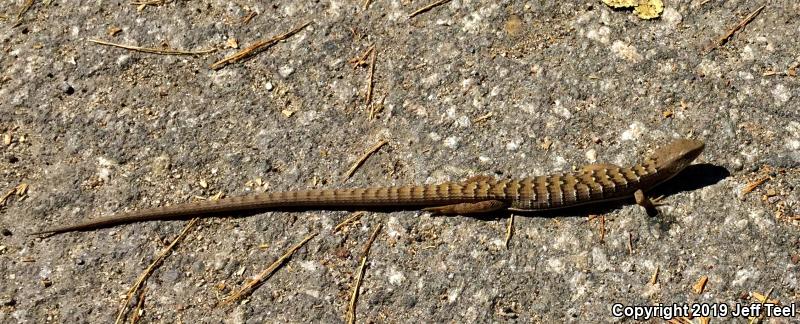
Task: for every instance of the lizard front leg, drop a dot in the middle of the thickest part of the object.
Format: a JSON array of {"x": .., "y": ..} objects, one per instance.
[{"x": 648, "y": 204}]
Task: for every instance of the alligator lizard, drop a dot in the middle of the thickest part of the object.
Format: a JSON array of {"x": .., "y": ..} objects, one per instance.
[{"x": 592, "y": 184}]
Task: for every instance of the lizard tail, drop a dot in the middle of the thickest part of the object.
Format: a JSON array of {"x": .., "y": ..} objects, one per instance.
[{"x": 337, "y": 199}]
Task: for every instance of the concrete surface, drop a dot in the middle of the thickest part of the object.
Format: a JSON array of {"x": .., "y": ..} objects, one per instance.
[{"x": 96, "y": 130}]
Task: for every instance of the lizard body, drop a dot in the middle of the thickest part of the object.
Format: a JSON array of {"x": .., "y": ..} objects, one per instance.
[{"x": 592, "y": 184}]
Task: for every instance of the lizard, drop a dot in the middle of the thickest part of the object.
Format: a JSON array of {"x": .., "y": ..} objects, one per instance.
[{"x": 594, "y": 183}]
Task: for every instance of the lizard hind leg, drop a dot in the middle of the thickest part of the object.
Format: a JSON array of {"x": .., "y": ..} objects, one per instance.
[{"x": 468, "y": 208}]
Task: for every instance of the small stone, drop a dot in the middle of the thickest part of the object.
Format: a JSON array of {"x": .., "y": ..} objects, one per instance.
[
  {"x": 672, "y": 16},
  {"x": 170, "y": 276},
  {"x": 113, "y": 31},
  {"x": 513, "y": 25},
  {"x": 67, "y": 88},
  {"x": 737, "y": 164},
  {"x": 161, "y": 165},
  {"x": 463, "y": 121},
  {"x": 546, "y": 144},
  {"x": 591, "y": 155},
  {"x": 269, "y": 86},
  {"x": 7, "y": 301},
  {"x": 513, "y": 145},
  {"x": 232, "y": 43},
  {"x": 452, "y": 142},
  {"x": 782, "y": 94},
  {"x": 124, "y": 61},
  {"x": 285, "y": 71},
  {"x": 240, "y": 272},
  {"x": 198, "y": 267}
]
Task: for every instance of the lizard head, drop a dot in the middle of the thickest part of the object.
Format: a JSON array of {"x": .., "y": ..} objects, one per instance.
[{"x": 677, "y": 155}]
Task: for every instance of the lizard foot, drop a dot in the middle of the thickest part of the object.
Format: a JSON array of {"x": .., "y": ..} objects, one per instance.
[
  {"x": 648, "y": 204},
  {"x": 658, "y": 201}
]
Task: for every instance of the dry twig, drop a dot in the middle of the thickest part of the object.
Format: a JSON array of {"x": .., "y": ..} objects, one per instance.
[
  {"x": 376, "y": 108},
  {"x": 153, "y": 50},
  {"x": 753, "y": 185},
  {"x": 483, "y": 118},
  {"x": 762, "y": 314},
  {"x": 28, "y": 4},
  {"x": 630, "y": 243},
  {"x": 509, "y": 229},
  {"x": 20, "y": 190},
  {"x": 601, "y": 226},
  {"x": 348, "y": 221},
  {"x": 724, "y": 38},
  {"x": 700, "y": 285},
  {"x": 264, "y": 275},
  {"x": 137, "y": 312},
  {"x": 351, "y": 309},
  {"x": 791, "y": 71},
  {"x": 249, "y": 17},
  {"x": 144, "y": 3},
  {"x": 428, "y": 7},
  {"x": 147, "y": 272},
  {"x": 654, "y": 277},
  {"x": 363, "y": 158},
  {"x": 5, "y": 197},
  {"x": 256, "y": 48},
  {"x": 368, "y": 100},
  {"x": 362, "y": 60}
]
